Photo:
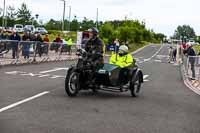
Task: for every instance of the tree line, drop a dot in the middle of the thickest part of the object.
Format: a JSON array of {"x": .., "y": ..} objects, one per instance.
[{"x": 132, "y": 31}]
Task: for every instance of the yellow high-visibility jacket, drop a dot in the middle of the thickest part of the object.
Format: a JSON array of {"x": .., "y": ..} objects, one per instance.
[
  {"x": 121, "y": 61},
  {"x": 69, "y": 42}
]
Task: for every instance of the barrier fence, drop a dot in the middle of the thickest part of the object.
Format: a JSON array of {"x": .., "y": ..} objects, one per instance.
[
  {"x": 21, "y": 52},
  {"x": 192, "y": 67}
]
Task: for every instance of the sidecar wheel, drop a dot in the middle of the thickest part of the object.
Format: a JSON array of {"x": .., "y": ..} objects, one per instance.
[{"x": 135, "y": 86}]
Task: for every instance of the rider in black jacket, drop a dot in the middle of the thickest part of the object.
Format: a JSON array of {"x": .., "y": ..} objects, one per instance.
[{"x": 95, "y": 45}]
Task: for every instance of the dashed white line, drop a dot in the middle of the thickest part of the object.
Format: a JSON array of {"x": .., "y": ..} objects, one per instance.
[{"x": 23, "y": 101}]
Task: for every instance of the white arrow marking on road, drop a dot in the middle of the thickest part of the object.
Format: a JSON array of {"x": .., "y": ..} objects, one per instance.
[
  {"x": 23, "y": 101},
  {"x": 54, "y": 70},
  {"x": 145, "y": 78}
]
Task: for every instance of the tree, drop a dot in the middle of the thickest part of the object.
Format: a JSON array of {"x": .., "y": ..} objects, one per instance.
[
  {"x": 53, "y": 25},
  {"x": 107, "y": 32},
  {"x": 75, "y": 24},
  {"x": 11, "y": 12},
  {"x": 86, "y": 24},
  {"x": 24, "y": 15},
  {"x": 11, "y": 16},
  {"x": 184, "y": 32}
]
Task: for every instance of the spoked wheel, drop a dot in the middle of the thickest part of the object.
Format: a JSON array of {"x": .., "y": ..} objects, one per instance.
[
  {"x": 135, "y": 86},
  {"x": 72, "y": 85}
]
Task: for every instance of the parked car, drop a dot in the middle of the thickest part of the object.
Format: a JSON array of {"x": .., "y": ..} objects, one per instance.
[
  {"x": 9, "y": 29},
  {"x": 29, "y": 28},
  {"x": 41, "y": 30},
  {"x": 191, "y": 42},
  {"x": 19, "y": 28}
]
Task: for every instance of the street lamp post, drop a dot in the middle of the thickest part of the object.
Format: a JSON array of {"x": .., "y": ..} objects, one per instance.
[
  {"x": 63, "y": 24},
  {"x": 97, "y": 18},
  {"x": 69, "y": 17},
  {"x": 4, "y": 7}
]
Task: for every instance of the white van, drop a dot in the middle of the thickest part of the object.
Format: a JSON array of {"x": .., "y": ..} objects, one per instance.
[
  {"x": 19, "y": 28},
  {"x": 29, "y": 28}
]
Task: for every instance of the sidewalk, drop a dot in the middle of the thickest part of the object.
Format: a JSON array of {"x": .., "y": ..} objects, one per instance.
[
  {"x": 194, "y": 85},
  {"x": 7, "y": 60}
]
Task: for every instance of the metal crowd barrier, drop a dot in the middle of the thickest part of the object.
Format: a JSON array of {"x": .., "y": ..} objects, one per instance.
[
  {"x": 19, "y": 52},
  {"x": 192, "y": 67}
]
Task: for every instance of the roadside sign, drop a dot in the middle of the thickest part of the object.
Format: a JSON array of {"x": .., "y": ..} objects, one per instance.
[{"x": 79, "y": 38}]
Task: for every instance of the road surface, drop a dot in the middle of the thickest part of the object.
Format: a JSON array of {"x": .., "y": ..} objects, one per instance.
[{"x": 33, "y": 100}]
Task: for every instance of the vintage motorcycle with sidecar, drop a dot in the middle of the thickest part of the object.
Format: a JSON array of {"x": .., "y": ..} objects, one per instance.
[{"x": 90, "y": 75}]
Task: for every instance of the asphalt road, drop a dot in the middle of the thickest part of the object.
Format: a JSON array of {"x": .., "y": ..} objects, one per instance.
[{"x": 33, "y": 100}]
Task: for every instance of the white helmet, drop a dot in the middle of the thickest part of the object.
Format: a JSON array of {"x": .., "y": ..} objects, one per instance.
[{"x": 123, "y": 49}]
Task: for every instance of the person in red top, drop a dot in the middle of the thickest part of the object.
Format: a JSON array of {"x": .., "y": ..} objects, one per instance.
[
  {"x": 46, "y": 43},
  {"x": 46, "y": 38},
  {"x": 58, "y": 42},
  {"x": 184, "y": 45},
  {"x": 58, "y": 39}
]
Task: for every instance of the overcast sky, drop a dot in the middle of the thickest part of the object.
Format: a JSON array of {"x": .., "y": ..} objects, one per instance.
[{"x": 160, "y": 15}]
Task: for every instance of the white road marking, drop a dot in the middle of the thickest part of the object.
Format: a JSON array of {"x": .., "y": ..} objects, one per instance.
[
  {"x": 158, "y": 61},
  {"x": 140, "y": 62},
  {"x": 145, "y": 60},
  {"x": 23, "y": 101},
  {"x": 31, "y": 74},
  {"x": 148, "y": 59},
  {"x": 162, "y": 56},
  {"x": 54, "y": 70},
  {"x": 14, "y": 72},
  {"x": 145, "y": 76},
  {"x": 57, "y": 76},
  {"x": 47, "y": 75}
]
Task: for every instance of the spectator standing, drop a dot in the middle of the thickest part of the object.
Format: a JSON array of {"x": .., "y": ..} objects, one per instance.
[
  {"x": 69, "y": 44},
  {"x": 116, "y": 45},
  {"x": 58, "y": 39},
  {"x": 46, "y": 44},
  {"x": 46, "y": 39},
  {"x": 191, "y": 55},
  {"x": 58, "y": 43},
  {"x": 15, "y": 37},
  {"x": 174, "y": 54},
  {"x": 3, "y": 45},
  {"x": 26, "y": 45},
  {"x": 170, "y": 54},
  {"x": 4, "y": 35},
  {"x": 39, "y": 42}
]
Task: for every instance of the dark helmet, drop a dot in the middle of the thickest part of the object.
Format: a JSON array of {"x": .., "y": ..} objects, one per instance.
[{"x": 94, "y": 31}]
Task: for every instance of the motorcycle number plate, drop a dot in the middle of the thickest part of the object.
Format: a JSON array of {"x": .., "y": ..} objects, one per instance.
[{"x": 102, "y": 71}]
